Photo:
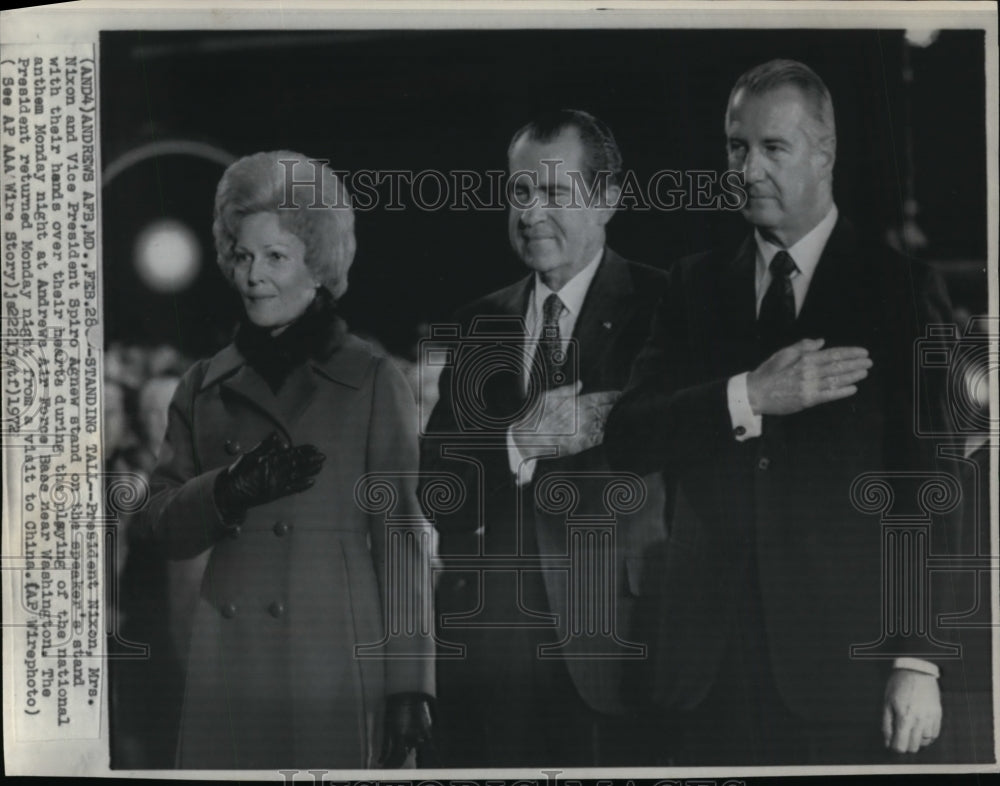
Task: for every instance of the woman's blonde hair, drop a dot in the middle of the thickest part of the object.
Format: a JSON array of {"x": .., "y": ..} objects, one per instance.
[{"x": 309, "y": 200}]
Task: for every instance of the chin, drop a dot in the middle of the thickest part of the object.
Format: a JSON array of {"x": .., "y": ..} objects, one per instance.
[
  {"x": 542, "y": 262},
  {"x": 763, "y": 217},
  {"x": 262, "y": 320}
]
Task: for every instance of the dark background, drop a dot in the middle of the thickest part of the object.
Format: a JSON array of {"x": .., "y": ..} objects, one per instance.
[{"x": 451, "y": 100}]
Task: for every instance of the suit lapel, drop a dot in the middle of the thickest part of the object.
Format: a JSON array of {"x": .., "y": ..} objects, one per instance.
[
  {"x": 604, "y": 312},
  {"x": 833, "y": 282},
  {"x": 734, "y": 323},
  {"x": 248, "y": 384},
  {"x": 505, "y": 392}
]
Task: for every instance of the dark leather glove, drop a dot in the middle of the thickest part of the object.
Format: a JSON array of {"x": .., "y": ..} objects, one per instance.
[
  {"x": 270, "y": 470},
  {"x": 407, "y": 725}
]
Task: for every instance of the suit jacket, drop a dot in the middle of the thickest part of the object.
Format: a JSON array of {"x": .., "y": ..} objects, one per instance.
[
  {"x": 786, "y": 494},
  {"x": 273, "y": 679},
  {"x": 611, "y": 328}
]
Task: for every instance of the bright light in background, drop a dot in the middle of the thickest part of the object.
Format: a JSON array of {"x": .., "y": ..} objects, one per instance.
[
  {"x": 978, "y": 384},
  {"x": 167, "y": 256},
  {"x": 921, "y": 37}
]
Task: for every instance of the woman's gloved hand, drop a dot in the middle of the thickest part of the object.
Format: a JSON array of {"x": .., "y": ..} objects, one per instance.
[
  {"x": 270, "y": 470},
  {"x": 407, "y": 725}
]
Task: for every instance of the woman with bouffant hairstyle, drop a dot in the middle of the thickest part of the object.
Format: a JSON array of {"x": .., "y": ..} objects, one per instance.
[
  {"x": 266, "y": 444},
  {"x": 296, "y": 190}
]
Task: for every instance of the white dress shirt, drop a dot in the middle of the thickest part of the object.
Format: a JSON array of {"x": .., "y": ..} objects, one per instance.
[
  {"x": 572, "y": 295},
  {"x": 805, "y": 254}
]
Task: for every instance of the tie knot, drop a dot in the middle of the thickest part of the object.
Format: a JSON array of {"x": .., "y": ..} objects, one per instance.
[
  {"x": 552, "y": 309},
  {"x": 782, "y": 265}
]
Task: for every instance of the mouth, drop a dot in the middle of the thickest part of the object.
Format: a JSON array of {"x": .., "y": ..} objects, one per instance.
[{"x": 255, "y": 299}]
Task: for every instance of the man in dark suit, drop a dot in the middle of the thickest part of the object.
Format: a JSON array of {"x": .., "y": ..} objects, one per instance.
[
  {"x": 541, "y": 565},
  {"x": 778, "y": 372}
]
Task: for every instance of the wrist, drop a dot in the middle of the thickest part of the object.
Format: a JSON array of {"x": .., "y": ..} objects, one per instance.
[
  {"x": 918, "y": 665},
  {"x": 231, "y": 512},
  {"x": 753, "y": 397}
]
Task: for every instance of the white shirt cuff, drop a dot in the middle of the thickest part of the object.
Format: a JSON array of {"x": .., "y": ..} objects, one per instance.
[
  {"x": 522, "y": 468},
  {"x": 746, "y": 425},
  {"x": 917, "y": 664}
]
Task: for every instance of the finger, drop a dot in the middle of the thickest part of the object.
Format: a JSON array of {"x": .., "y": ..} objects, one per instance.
[
  {"x": 849, "y": 378},
  {"x": 904, "y": 731},
  {"x": 602, "y": 399},
  {"x": 835, "y": 381},
  {"x": 311, "y": 456},
  {"x": 306, "y": 468},
  {"x": 564, "y": 391},
  {"x": 593, "y": 435},
  {"x": 838, "y": 355},
  {"x": 802, "y": 346},
  {"x": 887, "y": 724},
  {"x": 916, "y": 738},
  {"x": 600, "y": 414},
  {"x": 298, "y": 485},
  {"x": 936, "y": 728},
  {"x": 826, "y": 396},
  {"x": 269, "y": 444},
  {"x": 838, "y": 367}
]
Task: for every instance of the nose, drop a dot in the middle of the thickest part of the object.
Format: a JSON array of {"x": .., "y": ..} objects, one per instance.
[
  {"x": 254, "y": 269},
  {"x": 531, "y": 213},
  {"x": 753, "y": 166}
]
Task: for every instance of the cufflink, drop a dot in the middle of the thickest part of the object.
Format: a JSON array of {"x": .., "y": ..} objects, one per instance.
[{"x": 739, "y": 431}]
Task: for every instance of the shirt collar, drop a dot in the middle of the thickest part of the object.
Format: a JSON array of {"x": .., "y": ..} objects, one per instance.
[
  {"x": 573, "y": 291},
  {"x": 806, "y": 252}
]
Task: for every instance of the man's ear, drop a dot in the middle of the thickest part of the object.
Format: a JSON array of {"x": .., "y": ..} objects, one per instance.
[
  {"x": 825, "y": 153},
  {"x": 611, "y": 196}
]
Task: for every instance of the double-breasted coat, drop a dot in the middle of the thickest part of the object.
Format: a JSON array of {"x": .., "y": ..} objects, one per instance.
[{"x": 273, "y": 675}]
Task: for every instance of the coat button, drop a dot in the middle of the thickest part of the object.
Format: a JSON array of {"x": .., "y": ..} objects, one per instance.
[
  {"x": 280, "y": 528},
  {"x": 228, "y": 610},
  {"x": 276, "y": 609},
  {"x": 233, "y": 447},
  {"x": 764, "y": 463}
]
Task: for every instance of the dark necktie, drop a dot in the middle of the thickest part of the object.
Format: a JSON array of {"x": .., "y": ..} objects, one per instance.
[
  {"x": 550, "y": 354},
  {"x": 777, "y": 309}
]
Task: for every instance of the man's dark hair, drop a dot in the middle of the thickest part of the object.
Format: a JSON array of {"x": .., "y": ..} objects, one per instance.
[
  {"x": 775, "y": 74},
  {"x": 600, "y": 151}
]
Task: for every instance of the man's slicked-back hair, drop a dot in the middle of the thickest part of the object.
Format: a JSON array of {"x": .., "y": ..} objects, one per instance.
[
  {"x": 600, "y": 151},
  {"x": 776, "y": 74}
]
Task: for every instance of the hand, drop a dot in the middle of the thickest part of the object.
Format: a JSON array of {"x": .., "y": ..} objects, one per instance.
[
  {"x": 911, "y": 717},
  {"x": 569, "y": 421},
  {"x": 407, "y": 725},
  {"x": 803, "y": 375},
  {"x": 271, "y": 470}
]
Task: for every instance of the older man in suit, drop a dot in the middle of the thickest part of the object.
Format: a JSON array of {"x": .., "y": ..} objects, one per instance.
[
  {"x": 548, "y": 555},
  {"x": 777, "y": 373}
]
